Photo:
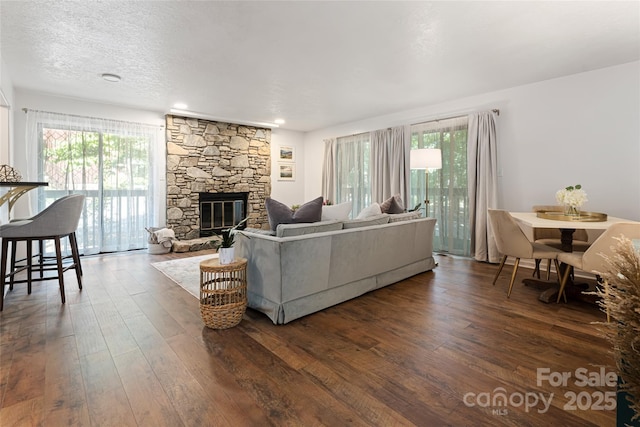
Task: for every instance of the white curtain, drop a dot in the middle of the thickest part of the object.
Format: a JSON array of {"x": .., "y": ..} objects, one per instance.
[
  {"x": 353, "y": 171},
  {"x": 110, "y": 162},
  {"x": 483, "y": 183},
  {"x": 389, "y": 170},
  {"x": 329, "y": 170}
]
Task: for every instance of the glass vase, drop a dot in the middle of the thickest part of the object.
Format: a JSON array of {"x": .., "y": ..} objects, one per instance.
[{"x": 571, "y": 210}]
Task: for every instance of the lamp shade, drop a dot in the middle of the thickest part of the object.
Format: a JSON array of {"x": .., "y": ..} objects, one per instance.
[{"x": 426, "y": 158}]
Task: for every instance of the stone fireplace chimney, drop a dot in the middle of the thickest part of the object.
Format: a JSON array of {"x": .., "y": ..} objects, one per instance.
[{"x": 213, "y": 157}]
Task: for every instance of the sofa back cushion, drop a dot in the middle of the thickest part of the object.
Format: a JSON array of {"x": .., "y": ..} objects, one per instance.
[
  {"x": 279, "y": 213},
  {"x": 288, "y": 230},
  {"x": 365, "y": 222},
  {"x": 258, "y": 231},
  {"x": 406, "y": 216}
]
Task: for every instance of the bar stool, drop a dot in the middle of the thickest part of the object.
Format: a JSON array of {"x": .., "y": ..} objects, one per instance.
[{"x": 58, "y": 220}]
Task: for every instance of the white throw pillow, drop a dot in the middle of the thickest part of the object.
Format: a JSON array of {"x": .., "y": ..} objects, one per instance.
[
  {"x": 338, "y": 212},
  {"x": 372, "y": 210}
]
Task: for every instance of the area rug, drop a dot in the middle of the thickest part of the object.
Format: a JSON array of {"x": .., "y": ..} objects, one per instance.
[{"x": 184, "y": 271}]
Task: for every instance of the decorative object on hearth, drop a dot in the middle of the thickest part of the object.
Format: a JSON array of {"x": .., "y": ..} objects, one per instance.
[
  {"x": 572, "y": 198},
  {"x": 160, "y": 240},
  {"x": 621, "y": 299},
  {"x": 9, "y": 174}
]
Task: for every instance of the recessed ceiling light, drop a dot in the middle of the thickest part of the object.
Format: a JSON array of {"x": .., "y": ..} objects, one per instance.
[
  {"x": 180, "y": 106},
  {"x": 114, "y": 78},
  {"x": 279, "y": 121}
]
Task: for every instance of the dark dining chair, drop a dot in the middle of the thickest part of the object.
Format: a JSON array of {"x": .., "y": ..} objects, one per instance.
[
  {"x": 57, "y": 221},
  {"x": 511, "y": 241}
]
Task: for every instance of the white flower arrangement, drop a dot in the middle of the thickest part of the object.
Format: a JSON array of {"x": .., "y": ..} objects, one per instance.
[{"x": 573, "y": 196}]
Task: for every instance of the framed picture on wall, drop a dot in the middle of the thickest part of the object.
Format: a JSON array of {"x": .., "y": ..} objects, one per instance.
[
  {"x": 286, "y": 172},
  {"x": 286, "y": 153}
]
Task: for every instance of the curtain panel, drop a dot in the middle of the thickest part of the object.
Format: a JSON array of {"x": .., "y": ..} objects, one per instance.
[
  {"x": 329, "y": 170},
  {"x": 483, "y": 184},
  {"x": 110, "y": 162},
  {"x": 353, "y": 171},
  {"x": 389, "y": 168}
]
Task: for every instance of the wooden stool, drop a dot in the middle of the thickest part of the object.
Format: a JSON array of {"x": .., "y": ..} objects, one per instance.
[{"x": 223, "y": 292}]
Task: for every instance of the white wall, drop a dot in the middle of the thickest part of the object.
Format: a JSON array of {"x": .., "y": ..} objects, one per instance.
[
  {"x": 580, "y": 129},
  {"x": 289, "y": 192},
  {"x": 6, "y": 128},
  {"x": 583, "y": 128},
  {"x": 6, "y": 102}
]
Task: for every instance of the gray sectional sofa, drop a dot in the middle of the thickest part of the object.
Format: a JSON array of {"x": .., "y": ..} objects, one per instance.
[{"x": 305, "y": 268}]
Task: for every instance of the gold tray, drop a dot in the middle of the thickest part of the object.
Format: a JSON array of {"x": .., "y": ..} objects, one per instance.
[{"x": 583, "y": 217}]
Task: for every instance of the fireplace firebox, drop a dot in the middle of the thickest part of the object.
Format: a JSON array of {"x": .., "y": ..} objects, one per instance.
[{"x": 221, "y": 210}]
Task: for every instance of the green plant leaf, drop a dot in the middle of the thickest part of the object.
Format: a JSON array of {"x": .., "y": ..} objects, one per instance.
[{"x": 228, "y": 237}]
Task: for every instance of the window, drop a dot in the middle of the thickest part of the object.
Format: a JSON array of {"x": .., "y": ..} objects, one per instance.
[
  {"x": 448, "y": 186},
  {"x": 110, "y": 163},
  {"x": 353, "y": 181}
]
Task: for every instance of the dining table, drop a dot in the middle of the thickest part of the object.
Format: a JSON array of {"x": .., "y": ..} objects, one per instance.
[{"x": 567, "y": 226}]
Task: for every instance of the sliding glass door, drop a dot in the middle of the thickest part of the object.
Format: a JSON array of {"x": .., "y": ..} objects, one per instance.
[
  {"x": 448, "y": 187},
  {"x": 112, "y": 168}
]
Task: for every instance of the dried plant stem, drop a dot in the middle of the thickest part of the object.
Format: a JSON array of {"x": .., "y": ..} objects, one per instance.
[{"x": 621, "y": 297}]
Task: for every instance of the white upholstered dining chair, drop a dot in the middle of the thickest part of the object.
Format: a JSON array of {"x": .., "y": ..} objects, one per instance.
[
  {"x": 592, "y": 260},
  {"x": 511, "y": 241}
]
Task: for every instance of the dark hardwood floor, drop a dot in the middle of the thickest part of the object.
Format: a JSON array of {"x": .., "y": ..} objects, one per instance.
[{"x": 437, "y": 349}]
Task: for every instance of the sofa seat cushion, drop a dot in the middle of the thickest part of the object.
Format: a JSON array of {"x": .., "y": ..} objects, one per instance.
[
  {"x": 288, "y": 230},
  {"x": 279, "y": 213}
]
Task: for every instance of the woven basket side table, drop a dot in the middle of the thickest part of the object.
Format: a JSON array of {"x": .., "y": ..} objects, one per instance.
[{"x": 223, "y": 292}]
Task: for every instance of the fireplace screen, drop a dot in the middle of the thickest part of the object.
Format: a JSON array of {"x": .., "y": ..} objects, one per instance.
[{"x": 221, "y": 210}]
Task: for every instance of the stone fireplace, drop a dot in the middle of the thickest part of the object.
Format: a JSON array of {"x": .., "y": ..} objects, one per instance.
[
  {"x": 221, "y": 210},
  {"x": 207, "y": 157}
]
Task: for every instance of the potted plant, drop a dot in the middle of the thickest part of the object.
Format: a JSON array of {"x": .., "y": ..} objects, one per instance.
[
  {"x": 226, "y": 250},
  {"x": 621, "y": 299}
]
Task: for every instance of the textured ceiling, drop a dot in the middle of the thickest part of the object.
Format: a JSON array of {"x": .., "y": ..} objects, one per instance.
[{"x": 315, "y": 64}]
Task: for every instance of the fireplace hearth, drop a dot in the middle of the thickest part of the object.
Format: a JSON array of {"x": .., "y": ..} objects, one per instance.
[{"x": 221, "y": 210}]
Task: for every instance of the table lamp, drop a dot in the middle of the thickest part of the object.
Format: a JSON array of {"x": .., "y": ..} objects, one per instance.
[{"x": 426, "y": 158}]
